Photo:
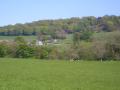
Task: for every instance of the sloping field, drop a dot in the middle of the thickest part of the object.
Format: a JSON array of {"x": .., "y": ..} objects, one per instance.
[{"x": 28, "y": 38}]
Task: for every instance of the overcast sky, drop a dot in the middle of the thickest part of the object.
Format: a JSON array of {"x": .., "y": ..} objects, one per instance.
[{"x": 21, "y": 11}]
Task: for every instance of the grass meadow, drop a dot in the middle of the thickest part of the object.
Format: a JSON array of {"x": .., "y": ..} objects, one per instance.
[
  {"x": 28, "y": 38},
  {"x": 33, "y": 74}
]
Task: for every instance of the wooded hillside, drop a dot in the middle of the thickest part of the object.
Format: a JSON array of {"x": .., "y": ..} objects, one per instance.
[{"x": 71, "y": 25}]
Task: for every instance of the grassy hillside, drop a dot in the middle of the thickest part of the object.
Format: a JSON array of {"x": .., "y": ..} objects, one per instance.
[
  {"x": 21, "y": 74},
  {"x": 68, "y": 39},
  {"x": 13, "y": 37}
]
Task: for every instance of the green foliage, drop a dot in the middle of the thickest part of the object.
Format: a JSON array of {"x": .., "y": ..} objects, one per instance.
[
  {"x": 76, "y": 38},
  {"x": 56, "y": 53},
  {"x": 24, "y": 51},
  {"x": 20, "y": 40},
  {"x": 99, "y": 46},
  {"x": 3, "y": 50},
  {"x": 108, "y": 45},
  {"x": 41, "y": 52},
  {"x": 49, "y": 27},
  {"x": 85, "y": 35}
]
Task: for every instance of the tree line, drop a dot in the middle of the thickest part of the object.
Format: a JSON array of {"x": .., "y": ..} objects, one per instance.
[
  {"x": 71, "y": 25},
  {"x": 97, "y": 46}
]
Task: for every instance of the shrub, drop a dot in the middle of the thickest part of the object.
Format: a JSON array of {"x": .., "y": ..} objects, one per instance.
[
  {"x": 24, "y": 51},
  {"x": 3, "y": 50},
  {"x": 41, "y": 52},
  {"x": 107, "y": 46}
]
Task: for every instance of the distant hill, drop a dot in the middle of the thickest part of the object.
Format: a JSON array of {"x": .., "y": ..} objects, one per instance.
[{"x": 71, "y": 25}]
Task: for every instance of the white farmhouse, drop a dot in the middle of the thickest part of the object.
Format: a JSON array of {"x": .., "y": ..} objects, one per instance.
[{"x": 39, "y": 42}]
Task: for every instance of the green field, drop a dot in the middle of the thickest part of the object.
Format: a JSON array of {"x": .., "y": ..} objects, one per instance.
[
  {"x": 28, "y": 38},
  {"x": 32, "y": 74}
]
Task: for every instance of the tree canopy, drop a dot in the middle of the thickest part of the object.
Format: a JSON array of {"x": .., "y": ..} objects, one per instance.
[{"x": 71, "y": 25}]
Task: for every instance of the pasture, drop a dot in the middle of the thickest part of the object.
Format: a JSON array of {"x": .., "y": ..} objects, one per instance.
[
  {"x": 33, "y": 74},
  {"x": 28, "y": 38}
]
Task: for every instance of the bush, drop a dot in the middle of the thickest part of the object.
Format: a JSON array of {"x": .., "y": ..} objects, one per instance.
[
  {"x": 85, "y": 35},
  {"x": 3, "y": 50},
  {"x": 54, "y": 54},
  {"x": 107, "y": 46},
  {"x": 41, "y": 52},
  {"x": 24, "y": 51}
]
